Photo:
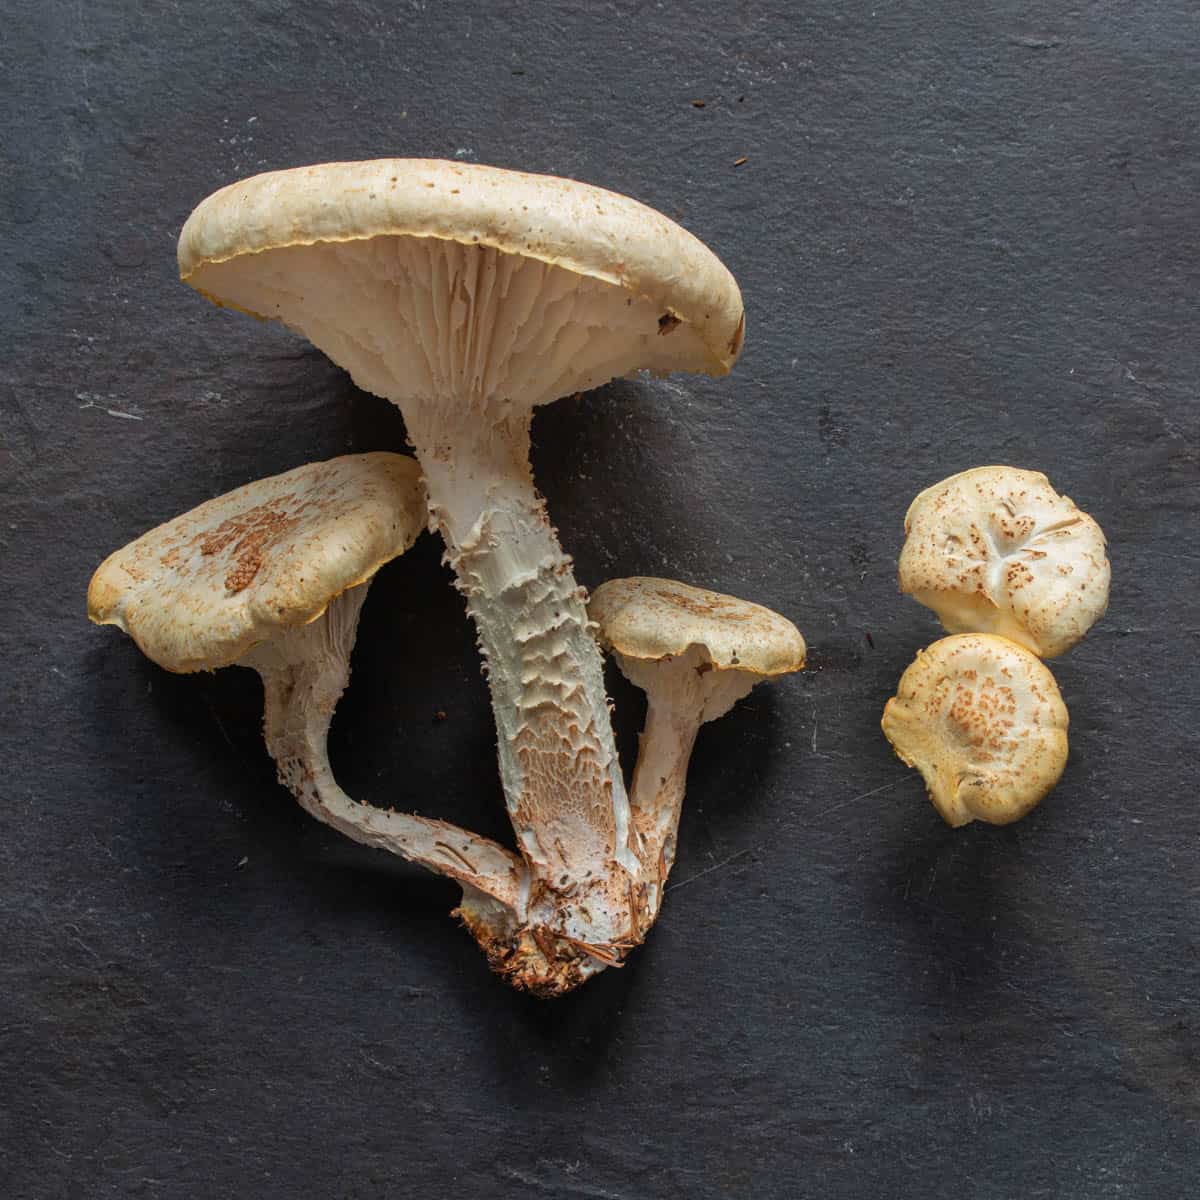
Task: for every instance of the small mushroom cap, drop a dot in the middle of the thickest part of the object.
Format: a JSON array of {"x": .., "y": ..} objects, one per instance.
[
  {"x": 983, "y": 721},
  {"x": 652, "y": 619},
  {"x": 199, "y": 591},
  {"x": 998, "y": 550},
  {"x": 324, "y": 247}
]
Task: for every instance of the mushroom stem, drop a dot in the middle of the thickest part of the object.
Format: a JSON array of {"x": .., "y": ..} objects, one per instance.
[
  {"x": 659, "y": 783},
  {"x": 682, "y": 693},
  {"x": 558, "y": 762},
  {"x": 304, "y": 673},
  {"x": 660, "y": 775}
]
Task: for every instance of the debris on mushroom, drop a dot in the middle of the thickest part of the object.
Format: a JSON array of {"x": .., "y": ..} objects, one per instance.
[
  {"x": 273, "y": 576},
  {"x": 983, "y": 721},
  {"x": 469, "y": 296},
  {"x": 998, "y": 550},
  {"x": 694, "y": 653}
]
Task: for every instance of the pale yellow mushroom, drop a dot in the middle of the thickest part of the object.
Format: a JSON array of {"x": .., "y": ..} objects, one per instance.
[
  {"x": 273, "y": 576},
  {"x": 469, "y": 296},
  {"x": 998, "y": 550},
  {"x": 694, "y": 653},
  {"x": 981, "y": 718}
]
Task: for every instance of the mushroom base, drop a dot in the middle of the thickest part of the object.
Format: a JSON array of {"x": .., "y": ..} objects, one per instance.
[{"x": 527, "y": 957}]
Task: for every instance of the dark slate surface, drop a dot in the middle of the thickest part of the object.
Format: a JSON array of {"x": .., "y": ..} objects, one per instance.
[{"x": 966, "y": 234}]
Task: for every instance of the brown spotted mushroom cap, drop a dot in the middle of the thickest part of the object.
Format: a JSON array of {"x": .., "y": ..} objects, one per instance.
[
  {"x": 981, "y": 718},
  {"x": 378, "y": 264},
  {"x": 998, "y": 550},
  {"x": 198, "y": 592},
  {"x": 653, "y": 619}
]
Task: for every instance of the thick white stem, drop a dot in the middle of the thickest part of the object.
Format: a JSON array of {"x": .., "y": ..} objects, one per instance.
[
  {"x": 304, "y": 673},
  {"x": 558, "y": 762}
]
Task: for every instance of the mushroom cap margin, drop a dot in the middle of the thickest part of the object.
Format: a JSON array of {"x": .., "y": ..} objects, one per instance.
[
  {"x": 580, "y": 227},
  {"x": 649, "y": 619}
]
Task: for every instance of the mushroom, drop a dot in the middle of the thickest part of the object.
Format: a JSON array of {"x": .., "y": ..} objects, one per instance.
[
  {"x": 468, "y": 296},
  {"x": 273, "y": 576},
  {"x": 983, "y": 721},
  {"x": 694, "y": 653},
  {"x": 998, "y": 550}
]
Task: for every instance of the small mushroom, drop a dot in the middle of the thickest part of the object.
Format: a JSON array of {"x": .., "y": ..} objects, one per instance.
[
  {"x": 469, "y": 296},
  {"x": 981, "y": 718},
  {"x": 998, "y": 550},
  {"x": 694, "y": 653},
  {"x": 273, "y": 576}
]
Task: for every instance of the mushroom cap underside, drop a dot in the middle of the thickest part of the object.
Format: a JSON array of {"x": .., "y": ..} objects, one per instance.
[
  {"x": 997, "y": 550},
  {"x": 651, "y": 619},
  {"x": 688, "y": 309},
  {"x": 982, "y": 719},
  {"x": 200, "y": 590}
]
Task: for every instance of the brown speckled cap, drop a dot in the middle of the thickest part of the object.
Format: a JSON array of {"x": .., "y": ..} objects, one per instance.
[
  {"x": 998, "y": 550},
  {"x": 983, "y": 721},
  {"x": 651, "y": 619},
  {"x": 199, "y": 591}
]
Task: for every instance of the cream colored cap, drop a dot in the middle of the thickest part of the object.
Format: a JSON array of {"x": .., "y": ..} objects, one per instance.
[
  {"x": 652, "y": 619},
  {"x": 300, "y": 245},
  {"x": 199, "y": 591},
  {"x": 998, "y": 550},
  {"x": 983, "y": 721}
]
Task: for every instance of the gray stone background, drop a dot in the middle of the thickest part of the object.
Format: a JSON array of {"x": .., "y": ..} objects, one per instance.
[{"x": 966, "y": 233}]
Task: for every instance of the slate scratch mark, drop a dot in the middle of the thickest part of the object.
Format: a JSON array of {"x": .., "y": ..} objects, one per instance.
[
  {"x": 562, "y": 1187},
  {"x": 221, "y": 726},
  {"x": 707, "y": 871},
  {"x": 883, "y": 787},
  {"x": 112, "y": 412}
]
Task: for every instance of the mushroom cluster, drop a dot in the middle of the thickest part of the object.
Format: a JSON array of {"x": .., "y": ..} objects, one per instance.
[
  {"x": 1016, "y": 573},
  {"x": 467, "y": 296}
]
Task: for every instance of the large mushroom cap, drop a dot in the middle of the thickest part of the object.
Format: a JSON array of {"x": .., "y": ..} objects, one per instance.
[
  {"x": 379, "y": 263},
  {"x": 652, "y": 619},
  {"x": 197, "y": 592},
  {"x": 998, "y": 550},
  {"x": 983, "y": 721}
]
